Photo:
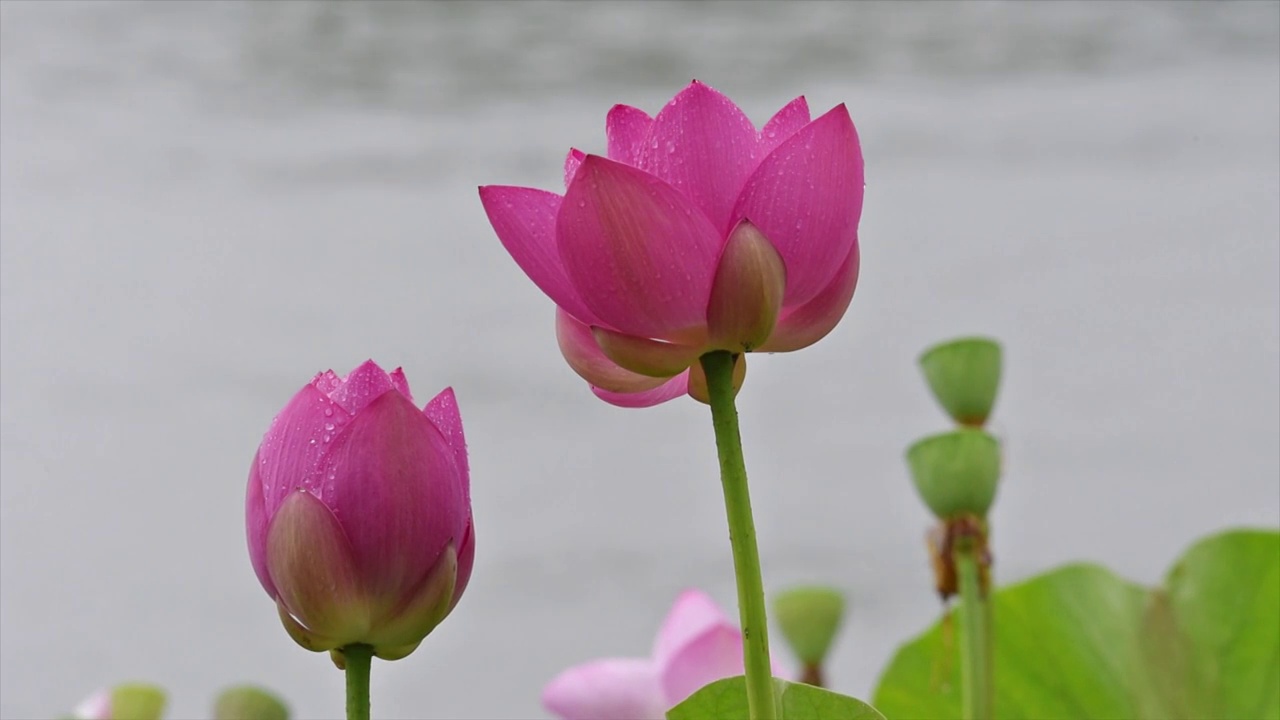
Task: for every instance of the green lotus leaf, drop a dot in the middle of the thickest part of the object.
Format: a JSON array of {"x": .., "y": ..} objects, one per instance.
[
  {"x": 727, "y": 700},
  {"x": 1080, "y": 642}
]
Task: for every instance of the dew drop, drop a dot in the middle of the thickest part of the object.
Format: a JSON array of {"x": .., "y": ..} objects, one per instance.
[
  {"x": 329, "y": 426},
  {"x": 328, "y": 412},
  {"x": 327, "y": 437},
  {"x": 671, "y": 148}
]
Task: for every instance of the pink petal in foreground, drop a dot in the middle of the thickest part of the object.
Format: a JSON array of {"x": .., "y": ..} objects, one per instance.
[
  {"x": 400, "y": 499},
  {"x": 694, "y": 613},
  {"x": 669, "y": 390},
  {"x": 290, "y": 452},
  {"x": 703, "y": 144},
  {"x": 806, "y": 324},
  {"x": 578, "y": 345},
  {"x": 626, "y": 128},
  {"x": 713, "y": 655},
  {"x": 401, "y": 383},
  {"x": 571, "y": 163},
  {"x": 525, "y": 221},
  {"x": 639, "y": 254},
  {"x": 612, "y": 689},
  {"x": 443, "y": 412},
  {"x": 257, "y": 520},
  {"x": 784, "y": 123},
  {"x": 326, "y": 382},
  {"x": 806, "y": 197},
  {"x": 466, "y": 559},
  {"x": 361, "y": 387}
]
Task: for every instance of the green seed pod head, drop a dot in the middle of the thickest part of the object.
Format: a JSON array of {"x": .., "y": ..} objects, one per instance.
[
  {"x": 246, "y": 702},
  {"x": 809, "y": 618},
  {"x": 956, "y": 472},
  {"x": 964, "y": 375}
]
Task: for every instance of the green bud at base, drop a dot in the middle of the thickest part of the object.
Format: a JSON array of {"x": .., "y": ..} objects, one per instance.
[
  {"x": 809, "y": 618},
  {"x": 956, "y": 472},
  {"x": 245, "y": 702},
  {"x": 964, "y": 375}
]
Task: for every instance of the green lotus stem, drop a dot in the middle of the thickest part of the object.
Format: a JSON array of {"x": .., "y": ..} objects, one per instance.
[
  {"x": 359, "y": 658},
  {"x": 718, "y": 367},
  {"x": 975, "y": 631}
]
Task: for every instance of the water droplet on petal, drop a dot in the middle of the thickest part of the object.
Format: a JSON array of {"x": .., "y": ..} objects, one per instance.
[
  {"x": 328, "y": 412},
  {"x": 329, "y": 426}
]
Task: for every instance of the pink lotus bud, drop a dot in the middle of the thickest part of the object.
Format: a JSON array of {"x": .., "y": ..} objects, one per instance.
[
  {"x": 697, "y": 645},
  {"x": 697, "y": 233},
  {"x": 358, "y": 513}
]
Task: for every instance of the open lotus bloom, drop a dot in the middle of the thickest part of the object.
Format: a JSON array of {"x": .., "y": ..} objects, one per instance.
[
  {"x": 697, "y": 645},
  {"x": 358, "y": 513},
  {"x": 696, "y": 233}
]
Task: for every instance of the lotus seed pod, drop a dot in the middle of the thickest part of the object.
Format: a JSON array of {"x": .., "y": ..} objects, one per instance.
[
  {"x": 809, "y": 618},
  {"x": 964, "y": 375},
  {"x": 956, "y": 472},
  {"x": 245, "y": 702}
]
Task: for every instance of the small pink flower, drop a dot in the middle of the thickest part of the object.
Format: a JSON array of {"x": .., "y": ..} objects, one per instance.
[
  {"x": 95, "y": 707},
  {"x": 697, "y": 233},
  {"x": 697, "y": 645},
  {"x": 358, "y": 513}
]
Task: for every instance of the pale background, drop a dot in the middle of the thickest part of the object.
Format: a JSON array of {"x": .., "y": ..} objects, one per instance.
[{"x": 204, "y": 204}]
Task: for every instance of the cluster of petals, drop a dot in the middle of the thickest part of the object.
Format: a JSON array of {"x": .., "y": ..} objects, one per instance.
[
  {"x": 358, "y": 513},
  {"x": 698, "y": 232},
  {"x": 697, "y": 645}
]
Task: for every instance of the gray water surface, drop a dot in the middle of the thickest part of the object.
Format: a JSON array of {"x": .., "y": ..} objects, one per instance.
[{"x": 203, "y": 204}]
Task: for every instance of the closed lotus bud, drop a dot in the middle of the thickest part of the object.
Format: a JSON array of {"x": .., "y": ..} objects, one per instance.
[
  {"x": 809, "y": 618},
  {"x": 964, "y": 375},
  {"x": 246, "y": 702},
  {"x": 358, "y": 513},
  {"x": 131, "y": 701},
  {"x": 956, "y": 472}
]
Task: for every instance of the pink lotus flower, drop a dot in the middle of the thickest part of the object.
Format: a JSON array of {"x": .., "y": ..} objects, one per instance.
[
  {"x": 358, "y": 513},
  {"x": 696, "y": 233},
  {"x": 697, "y": 645},
  {"x": 95, "y": 707}
]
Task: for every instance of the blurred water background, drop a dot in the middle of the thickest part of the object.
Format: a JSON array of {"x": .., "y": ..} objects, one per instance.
[{"x": 205, "y": 203}]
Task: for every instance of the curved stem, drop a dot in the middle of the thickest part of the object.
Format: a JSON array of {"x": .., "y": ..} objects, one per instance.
[
  {"x": 718, "y": 367},
  {"x": 359, "y": 658},
  {"x": 975, "y": 662}
]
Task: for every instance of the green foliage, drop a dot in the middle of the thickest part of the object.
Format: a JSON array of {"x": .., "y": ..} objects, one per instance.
[
  {"x": 727, "y": 700},
  {"x": 1080, "y": 642}
]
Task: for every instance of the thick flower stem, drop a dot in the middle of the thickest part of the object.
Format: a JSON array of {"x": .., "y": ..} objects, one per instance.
[
  {"x": 358, "y": 659},
  {"x": 975, "y": 660},
  {"x": 718, "y": 367}
]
